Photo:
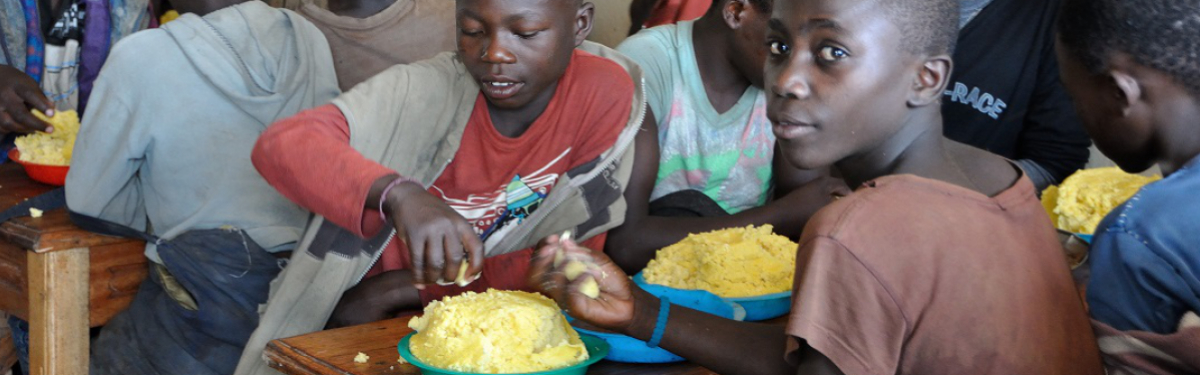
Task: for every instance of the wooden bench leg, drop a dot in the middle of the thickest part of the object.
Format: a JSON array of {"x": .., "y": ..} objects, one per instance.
[{"x": 58, "y": 324}]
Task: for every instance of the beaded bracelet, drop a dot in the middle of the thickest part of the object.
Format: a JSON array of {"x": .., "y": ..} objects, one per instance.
[
  {"x": 383, "y": 196},
  {"x": 660, "y": 326}
]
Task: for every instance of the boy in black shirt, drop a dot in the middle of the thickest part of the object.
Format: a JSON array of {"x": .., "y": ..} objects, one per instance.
[{"x": 1004, "y": 95}]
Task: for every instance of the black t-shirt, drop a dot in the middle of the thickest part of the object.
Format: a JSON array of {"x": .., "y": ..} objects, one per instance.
[{"x": 1005, "y": 96}]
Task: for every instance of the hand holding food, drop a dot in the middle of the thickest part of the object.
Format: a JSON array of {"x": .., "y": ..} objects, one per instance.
[
  {"x": 51, "y": 148},
  {"x": 440, "y": 241},
  {"x": 19, "y": 94},
  {"x": 585, "y": 283}
]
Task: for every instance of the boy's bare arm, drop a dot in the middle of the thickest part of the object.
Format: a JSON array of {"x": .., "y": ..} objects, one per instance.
[
  {"x": 376, "y": 298},
  {"x": 634, "y": 243}
]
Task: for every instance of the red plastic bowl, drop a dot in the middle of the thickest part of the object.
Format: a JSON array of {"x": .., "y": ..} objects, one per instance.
[{"x": 47, "y": 174}]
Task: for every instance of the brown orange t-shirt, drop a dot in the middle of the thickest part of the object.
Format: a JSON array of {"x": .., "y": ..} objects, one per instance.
[{"x": 916, "y": 276}]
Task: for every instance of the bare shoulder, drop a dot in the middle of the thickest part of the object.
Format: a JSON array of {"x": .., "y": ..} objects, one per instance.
[{"x": 992, "y": 173}]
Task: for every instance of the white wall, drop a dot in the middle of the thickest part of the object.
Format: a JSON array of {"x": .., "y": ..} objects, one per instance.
[{"x": 611, "y": 23}]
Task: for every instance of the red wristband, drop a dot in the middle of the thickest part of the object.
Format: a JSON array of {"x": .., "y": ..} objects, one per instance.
[{"x": 383, "y": 196}]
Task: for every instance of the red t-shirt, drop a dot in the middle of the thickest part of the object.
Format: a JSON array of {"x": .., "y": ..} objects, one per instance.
[
  {"x": 668, "y": 12},
  {"x": 494, "y": 181}
]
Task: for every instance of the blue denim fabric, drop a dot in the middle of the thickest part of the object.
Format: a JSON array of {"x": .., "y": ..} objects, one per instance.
[
  {"x": 226, "y": 273},
  {"x": 1145, "y": 257},
  {"x": 20, "y": 335}
]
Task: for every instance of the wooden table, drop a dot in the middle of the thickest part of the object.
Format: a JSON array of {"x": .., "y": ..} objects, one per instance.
[
  {"x": 61, "y": 279},
  {"x": 332, "y": 353}
]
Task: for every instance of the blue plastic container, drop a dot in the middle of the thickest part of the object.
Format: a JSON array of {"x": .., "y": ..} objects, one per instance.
[
  {"x": 630, "y": 350},
  {"x": 765, "y": 307},
  {"x": 757, "y": 308},
  {"x": 597, "y": 350}
]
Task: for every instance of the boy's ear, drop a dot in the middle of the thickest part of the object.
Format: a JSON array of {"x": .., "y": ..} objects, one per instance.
[
  {"x": 931, "y": 80},
  {"x": 733, "y": 12},
  {"x": 1127, "y": 91},
  {"x": 583, "y": 22}
]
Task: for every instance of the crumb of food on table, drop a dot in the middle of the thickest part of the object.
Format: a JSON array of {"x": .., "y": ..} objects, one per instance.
[
  {"x": 51, "y": 148},
  {"x": 735, "y": 262},
  {"x": 401, "y": 361},
  {"x": 495, "y": 332},
  {"x": 36, "y": 213},
  {"x": 362, "y": 358},
  {"x": 1084, "y": 199}
]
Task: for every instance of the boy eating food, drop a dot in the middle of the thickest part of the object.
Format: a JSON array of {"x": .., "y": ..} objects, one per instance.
[
  {"x": 518, "y": 135},
  {"x": 1132, "y": 69},
  {"x": 942, "y": 262}
]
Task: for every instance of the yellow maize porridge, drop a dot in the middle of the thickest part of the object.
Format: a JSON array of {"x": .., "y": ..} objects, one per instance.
[
  {"x": 736, "y": 262},
  {"x": 496, "y": 332}
]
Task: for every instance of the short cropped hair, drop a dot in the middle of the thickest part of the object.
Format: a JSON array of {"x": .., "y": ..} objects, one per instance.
[
  {"x": 927, "y": 26},
  {"x": 1161, "y": 34}
]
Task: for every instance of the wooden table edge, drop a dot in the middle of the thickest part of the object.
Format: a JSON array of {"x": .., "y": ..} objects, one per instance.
[{"x": 277, "y": 357}]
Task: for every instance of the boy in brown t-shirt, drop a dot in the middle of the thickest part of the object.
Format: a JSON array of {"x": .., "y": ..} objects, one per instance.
[
  {"x": 367, "y": 36},
  {"x": 941, "y": 263}
]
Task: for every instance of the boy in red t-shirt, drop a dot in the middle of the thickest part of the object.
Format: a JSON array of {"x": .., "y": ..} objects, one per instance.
[{"x": 543, "y": 110}]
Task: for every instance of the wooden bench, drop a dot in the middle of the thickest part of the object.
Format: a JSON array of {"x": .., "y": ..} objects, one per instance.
[{"x": 61, "y": 279}]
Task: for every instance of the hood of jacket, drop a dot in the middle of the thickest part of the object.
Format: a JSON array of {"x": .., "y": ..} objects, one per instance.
[{"x": 261, "y": 45}]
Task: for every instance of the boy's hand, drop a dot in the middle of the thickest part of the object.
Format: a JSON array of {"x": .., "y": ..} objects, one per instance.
[
  {"x": 792, "y": 211},
  {"x": 375, "y": 299},
  {"x": 438, "y": 238},
  {"x": 18, "y": 94},
  {"x": 612, "y": 309}
]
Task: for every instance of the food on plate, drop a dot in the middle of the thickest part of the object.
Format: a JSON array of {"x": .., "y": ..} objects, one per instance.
[
  {"x": 496, "y": 332},
  {"x": 735, "y": 262},
  {"x": 51, "y": 148},
  {"x": 1084, "y": 199}
]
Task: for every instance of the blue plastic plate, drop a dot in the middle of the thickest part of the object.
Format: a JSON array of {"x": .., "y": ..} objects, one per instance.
[
  {"x": 597, "y": 350},
  {"x": 1085, "y": 237},
  {"x": 757, "y": 308},
  {"x": 630, "y": 350}
]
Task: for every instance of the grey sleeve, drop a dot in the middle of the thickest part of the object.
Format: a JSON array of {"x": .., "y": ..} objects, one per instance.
[
  {"x": 109, "y": 151},
  {"x": 1041, "y": 178}
]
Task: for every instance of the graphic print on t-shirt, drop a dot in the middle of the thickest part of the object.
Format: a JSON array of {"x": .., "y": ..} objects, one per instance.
[
  {"x": 974, "y": 97},
  {"x": 497, "y": 212}
]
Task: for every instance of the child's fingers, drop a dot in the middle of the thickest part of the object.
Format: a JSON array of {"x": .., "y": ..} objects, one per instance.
[
  {"x": 34, "y": 99},
  {"x": 474, "y": 249},
  {"x": 453, "y": 254},
  {"x": 26, "y": 122},
  {"x": 416, "y": 250},
  {"x": 7, "y": 123},
  {"x": 435, "y": 259},
  {"x": 545, "y": 249},
  {"x": 37, "y": 100}
]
